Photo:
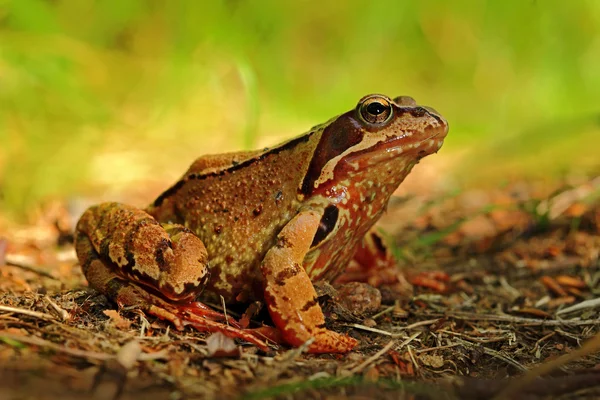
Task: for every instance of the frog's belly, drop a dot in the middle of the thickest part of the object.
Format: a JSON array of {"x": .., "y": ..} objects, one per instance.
[
  {"x": 237, "y": 283},
  {"x": 236, "y": 249}
]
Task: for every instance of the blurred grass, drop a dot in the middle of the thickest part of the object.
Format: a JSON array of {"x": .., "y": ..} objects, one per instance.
[{"x": 107, "y": 93}]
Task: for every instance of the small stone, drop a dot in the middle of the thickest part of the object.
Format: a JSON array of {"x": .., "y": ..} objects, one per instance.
[
  {"x": 370, "y": 322},
  {"x": 360, "y": 298}
]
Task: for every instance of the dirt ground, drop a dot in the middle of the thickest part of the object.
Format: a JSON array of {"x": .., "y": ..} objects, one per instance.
[{"x": 519, "y": 292}]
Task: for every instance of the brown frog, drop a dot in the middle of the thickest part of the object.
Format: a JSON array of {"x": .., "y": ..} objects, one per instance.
[{"x": 263, "y": 225}]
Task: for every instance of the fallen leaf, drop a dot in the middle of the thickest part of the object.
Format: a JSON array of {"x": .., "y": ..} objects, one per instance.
[
  {"x": 433, "y": 361},
  {"x": 571, "y": 281},
  {"x": 553, "y": 286},
  {"x": 220, "y": 345},
  {"x": 116, "y": 320}
]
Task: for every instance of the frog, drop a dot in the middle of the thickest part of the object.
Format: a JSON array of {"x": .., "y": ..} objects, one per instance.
[{"x": 263, "y": 225}]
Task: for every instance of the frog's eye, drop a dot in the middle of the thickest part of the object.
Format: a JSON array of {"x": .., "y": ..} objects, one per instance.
[{"x": 375, "y": 110}]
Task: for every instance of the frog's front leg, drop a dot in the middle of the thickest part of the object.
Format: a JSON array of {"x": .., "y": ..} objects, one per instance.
[
  {"x": 289, "y": 292},
  {"x": 132, "y": 259}
]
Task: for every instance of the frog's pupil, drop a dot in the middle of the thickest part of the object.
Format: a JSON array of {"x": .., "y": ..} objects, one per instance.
[{"x": 375, "y": 108}]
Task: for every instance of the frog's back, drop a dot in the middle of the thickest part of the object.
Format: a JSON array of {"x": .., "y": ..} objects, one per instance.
[{"x": 237, "y": 203}]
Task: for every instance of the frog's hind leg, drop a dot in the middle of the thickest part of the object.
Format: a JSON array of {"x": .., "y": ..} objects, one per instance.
[
  {"x": 374, "y": 263},
  {"x": 126, "y": 255}
]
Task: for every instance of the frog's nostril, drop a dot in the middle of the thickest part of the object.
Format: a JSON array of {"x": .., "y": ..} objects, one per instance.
[{"x": 418, "y": 112}]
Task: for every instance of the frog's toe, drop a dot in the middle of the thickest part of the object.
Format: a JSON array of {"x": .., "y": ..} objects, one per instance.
[
  {"x": 206, "y": 325},
  {"x": 201, "y": 310}
]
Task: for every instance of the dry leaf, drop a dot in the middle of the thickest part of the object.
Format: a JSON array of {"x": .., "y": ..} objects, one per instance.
[
  {"x": 116, "y": 320},
  {"x": 433, "y": 361},
  {"x": 220, "y": 345}
]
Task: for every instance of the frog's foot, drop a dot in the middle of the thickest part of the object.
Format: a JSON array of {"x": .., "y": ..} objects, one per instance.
[
  {"x": 289, "y": 293},
  {"x": 373, "y": 263},
  {"x": 181, "y": 316},
  {"x": 202, "y": 310}
]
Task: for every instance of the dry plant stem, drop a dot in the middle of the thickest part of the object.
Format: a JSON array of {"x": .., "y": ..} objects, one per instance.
[
  {"x": 62, "y": 313},
  {"x": 224, "y": 310},
  {"x": 10, "y": 261},
  {"x": 381, "y": 352},
  {"x": 589, "y": 347},
  {"x": 474, "y": 339},
  {"x": 592, "y": 303},
  {"x": 35, "y": 314},
  {"x": 419, "y": 324},
  {"x": 374, "y": 357},
  {"x": 394, "y": 335},
  {"x": 369, "y": 329},
  {"x": 522, "y": 321},
  {"x": 504, "y": 358},
  {"x": 539, "y": 341},
  {"x": 414, "y": 360},
  {"x": 496, "y": 354},
  {"x": 386, "y": 311}
]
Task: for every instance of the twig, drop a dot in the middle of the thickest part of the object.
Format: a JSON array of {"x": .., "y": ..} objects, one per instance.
[
  {"x": 495, "y": 354},
  {"x": 418, "y": 324},
  {"x": 391, "y": 334},
  {"x": 367, "y": 328},
  {"x": 504, "y": 358},
  {"x": 374, "y": 357},
  {"x": 35, "y": 314},
  {"x": 387, "y": 310},
  {"x": 474, "y": 339},
  {"x": 522, "y": 321},
  {"x": 410, "y": 353},
  {"x": 413, "y": 359},
  {"x": 62, "y": 313},
  {"x": 539, "y": 341},
  {"x": 224, "y": 309},
  {"x": 409, "y": 339}
]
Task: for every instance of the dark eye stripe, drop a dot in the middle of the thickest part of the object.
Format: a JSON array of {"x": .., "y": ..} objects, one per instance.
[
  {"x": 336, "y": 139},
  {"x": 328, "y": 221}
]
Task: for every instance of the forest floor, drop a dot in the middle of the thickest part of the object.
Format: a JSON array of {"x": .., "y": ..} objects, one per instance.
[{"x": 521, "y": 289}]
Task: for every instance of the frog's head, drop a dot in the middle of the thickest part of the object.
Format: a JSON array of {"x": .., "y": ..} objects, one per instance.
[{"x": 374, "y": 145}]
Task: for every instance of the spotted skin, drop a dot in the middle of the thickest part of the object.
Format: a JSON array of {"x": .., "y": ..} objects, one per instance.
[{"x": 262, "y": 225}]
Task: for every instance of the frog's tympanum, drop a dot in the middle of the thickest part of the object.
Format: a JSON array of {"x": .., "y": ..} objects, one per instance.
[{"x": 263, "y": 225}]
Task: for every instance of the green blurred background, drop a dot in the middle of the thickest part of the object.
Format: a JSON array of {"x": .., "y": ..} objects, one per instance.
[{"x": 98, "y": 95}]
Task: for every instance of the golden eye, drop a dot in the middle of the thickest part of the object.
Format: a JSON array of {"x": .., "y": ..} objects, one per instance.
[{"x": 375, "y": 109}]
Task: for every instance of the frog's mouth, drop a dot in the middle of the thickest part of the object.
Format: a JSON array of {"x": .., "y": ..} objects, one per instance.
[{"x": 400, "y": 147}]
